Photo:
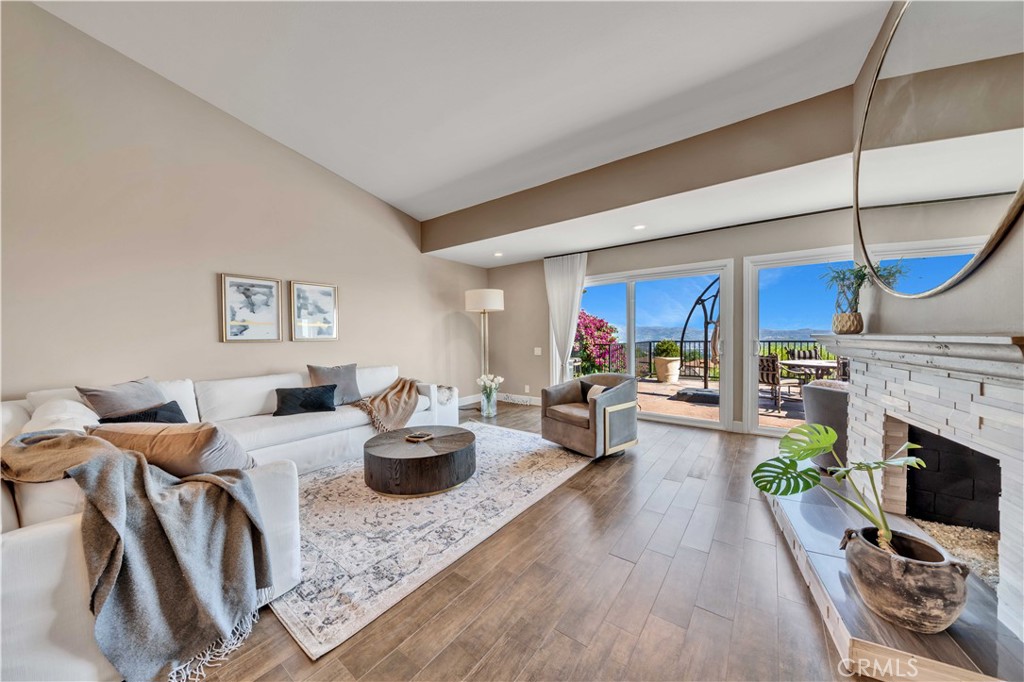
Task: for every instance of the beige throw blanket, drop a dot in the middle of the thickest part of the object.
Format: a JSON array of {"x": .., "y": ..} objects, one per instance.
[
  {"x": 178, "y": 566},
  {"x": 393, "y": 408}
]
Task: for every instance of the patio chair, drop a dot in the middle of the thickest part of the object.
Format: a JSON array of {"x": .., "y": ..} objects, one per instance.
[
  {"x": 601, "y": 423},
  {"x": 802, "y": 354},
  {"x": 770, "y": 373}
]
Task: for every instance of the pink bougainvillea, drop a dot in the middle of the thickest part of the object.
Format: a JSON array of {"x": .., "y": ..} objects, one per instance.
[{"x": 596, "y": 345}]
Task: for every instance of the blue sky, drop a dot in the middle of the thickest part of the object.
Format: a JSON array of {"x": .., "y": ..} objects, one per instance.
[{"x": 793, "y": 297}]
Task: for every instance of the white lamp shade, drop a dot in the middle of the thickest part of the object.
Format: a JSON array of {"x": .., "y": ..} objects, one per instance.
[{"x": 481, "y": 300}]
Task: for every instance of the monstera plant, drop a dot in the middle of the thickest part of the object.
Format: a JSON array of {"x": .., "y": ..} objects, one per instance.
[
  {"x": 783, "y": 475},
  {"x": 900, "y": 576}
]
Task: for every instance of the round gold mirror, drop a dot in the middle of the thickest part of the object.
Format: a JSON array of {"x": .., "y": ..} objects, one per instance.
[{"x": 939, "y": 158}]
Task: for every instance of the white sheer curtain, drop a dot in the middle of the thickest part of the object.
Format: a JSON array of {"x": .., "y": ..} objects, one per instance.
[{"x": 564, "y": 276}]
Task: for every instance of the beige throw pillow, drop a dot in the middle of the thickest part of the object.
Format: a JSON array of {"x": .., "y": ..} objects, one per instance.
[{"x": 179, "y": 449}]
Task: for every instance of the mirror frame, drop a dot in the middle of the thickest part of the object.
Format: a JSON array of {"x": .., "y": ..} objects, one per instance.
[{"x": 1013, "y": 212}]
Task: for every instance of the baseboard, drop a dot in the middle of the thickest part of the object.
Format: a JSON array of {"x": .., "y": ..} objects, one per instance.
[
  {"x": 519, "y": 399},
  {"x": 474, "y": 400}
]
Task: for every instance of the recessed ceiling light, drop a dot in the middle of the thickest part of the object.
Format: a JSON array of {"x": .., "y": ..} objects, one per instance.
[
  {"x": 639, "y": 227},
  {"x": 498, "y": 254}
]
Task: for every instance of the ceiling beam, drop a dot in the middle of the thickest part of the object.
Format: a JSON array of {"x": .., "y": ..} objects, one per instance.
[{"x": 814, "y": 129}]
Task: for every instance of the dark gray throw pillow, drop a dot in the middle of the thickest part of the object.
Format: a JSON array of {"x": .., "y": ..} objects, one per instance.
[
  {"x": 131, "y": 396},
  {"x": 301, "y": 400},
  {"x": 342, "y": 376},
  {"x": 168, "y": 413}
]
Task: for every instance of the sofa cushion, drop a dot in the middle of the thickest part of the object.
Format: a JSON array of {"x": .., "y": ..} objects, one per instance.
[
  {"x": 179, "y": 449},
  {"x": 264, "y": 431},
  {"x": 39, "y": 502},
  {"x": 224, "y": 399},
  {"x": 123, "y": 398},
  {"x": 61, "y": 414},
  {"x": 373, "y": 380},
  {"x": 15, "y": 416},
  {"x": 183, "y": 392},
  {"x": 577, "y": 414}
]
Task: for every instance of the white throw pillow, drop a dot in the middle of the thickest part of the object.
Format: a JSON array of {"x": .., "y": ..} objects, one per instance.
[{"x": 61, "y": 414}]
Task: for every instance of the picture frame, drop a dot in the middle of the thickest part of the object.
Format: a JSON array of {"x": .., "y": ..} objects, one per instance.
[
  {"x": 250, "y": 309},
  {"x": 314, "y": 311}
]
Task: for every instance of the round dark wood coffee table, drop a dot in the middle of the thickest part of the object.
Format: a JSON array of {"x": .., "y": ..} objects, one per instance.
[{"x": 394, "y": 466}]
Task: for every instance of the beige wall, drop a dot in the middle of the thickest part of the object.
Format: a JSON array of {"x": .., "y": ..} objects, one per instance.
[
  {"x": 520, "y": 328},
  {"x": 807, "y": 131},
  {"x": 124, "y": 196}
]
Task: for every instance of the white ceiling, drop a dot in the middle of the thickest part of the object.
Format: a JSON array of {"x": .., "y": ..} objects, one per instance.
[
  {"x": 437, "y": 106},
  {"x": 931, "y": 171}
]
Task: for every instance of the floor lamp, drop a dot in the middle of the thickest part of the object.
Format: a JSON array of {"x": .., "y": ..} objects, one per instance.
[{"x": 484, "y": 301}]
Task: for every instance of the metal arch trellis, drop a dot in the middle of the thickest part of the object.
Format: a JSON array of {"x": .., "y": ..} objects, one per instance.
[{"x": 708, "y": 303}]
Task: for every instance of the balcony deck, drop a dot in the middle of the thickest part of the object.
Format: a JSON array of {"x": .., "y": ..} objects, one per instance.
[{"x": 655, "y": 397}]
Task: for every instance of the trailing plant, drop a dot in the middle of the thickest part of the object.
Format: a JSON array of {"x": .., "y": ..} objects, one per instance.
[
  {"x": 783, "y": 475},
  {"x": 848, "y": 281},
  {"x": 666, "y": 348}
]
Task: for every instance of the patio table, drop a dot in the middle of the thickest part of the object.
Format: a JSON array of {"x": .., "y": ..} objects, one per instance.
[{"x": 821, "y": 368}]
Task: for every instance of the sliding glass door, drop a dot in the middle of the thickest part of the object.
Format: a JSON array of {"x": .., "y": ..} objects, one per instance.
[{"x": 668, "y": 328}]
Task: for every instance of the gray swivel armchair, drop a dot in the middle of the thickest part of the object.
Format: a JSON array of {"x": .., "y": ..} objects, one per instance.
[{"x": 600, "y": 423}]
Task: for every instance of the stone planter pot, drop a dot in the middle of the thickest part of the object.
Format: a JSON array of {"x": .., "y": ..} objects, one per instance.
[
  {"x": 667, "y": 369},
  {"x": 847, "y": 323},
  {"x": 921, "y": 588}
]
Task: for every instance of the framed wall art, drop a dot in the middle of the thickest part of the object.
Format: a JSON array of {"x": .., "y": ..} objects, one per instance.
[
  {"x": 314, "y": 311},
  {"x": 250, "y": 308}
]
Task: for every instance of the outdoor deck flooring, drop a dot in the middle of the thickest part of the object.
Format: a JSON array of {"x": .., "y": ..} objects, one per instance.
[
  {"x": 654, "y": 397},
  {"x": 661, "y": 564}
]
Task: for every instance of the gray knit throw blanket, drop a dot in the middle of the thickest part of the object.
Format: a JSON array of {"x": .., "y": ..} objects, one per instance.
[{"x": 179, "y": 567}]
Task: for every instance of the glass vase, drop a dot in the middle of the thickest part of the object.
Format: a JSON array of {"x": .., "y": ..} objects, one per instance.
[{"x": 489, "y": 404}]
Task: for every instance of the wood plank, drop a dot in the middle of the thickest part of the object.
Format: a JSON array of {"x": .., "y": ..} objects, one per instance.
[
  {"x": 656, "y": 655},
  {"x": 555, "y": 660},
  {"x": 607, "y": 656},
  {"x": 700, "y": 531},
  {"x": 669, "y": 532},
  {"x": 760, "y": 522},
  {"x": 635, "y": 537},
  {"x": 583, "y": 619},
  {"x": 662, "y": 497},
  {"x": 503, "y": 662},
  {"x": 731, "y": 527},
  {"x": 759, "y": 587},
  {"x": 635, "y": 599},
  {"x": 705, "y": 652},
  {"x": 720, "y": 581},
  {"x": 678, "y": 595},
  {"x": 753, "y": 652}
]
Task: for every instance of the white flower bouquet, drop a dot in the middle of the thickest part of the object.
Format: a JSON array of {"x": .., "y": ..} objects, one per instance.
[{"x": 489, "y": 384}]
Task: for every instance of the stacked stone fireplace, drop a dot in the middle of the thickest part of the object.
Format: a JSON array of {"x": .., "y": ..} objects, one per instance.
[{"x": 968, "y": 390}]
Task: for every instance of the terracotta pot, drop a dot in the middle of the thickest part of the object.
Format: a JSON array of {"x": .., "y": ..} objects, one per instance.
[
  {"x": 667, "y": 369},
  {"x": 847, "y": 323},
  {"x": 921, "y": 588}
]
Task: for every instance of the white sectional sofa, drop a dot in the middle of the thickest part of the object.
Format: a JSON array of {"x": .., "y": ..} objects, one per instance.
[{"x": 47, "y": 629}]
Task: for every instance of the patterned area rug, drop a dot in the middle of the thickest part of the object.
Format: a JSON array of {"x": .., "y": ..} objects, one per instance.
[{"x": 362, "y": 552}]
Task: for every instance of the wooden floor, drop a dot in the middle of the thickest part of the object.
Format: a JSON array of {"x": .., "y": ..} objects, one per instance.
[{"x": 661, "y": 564}]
